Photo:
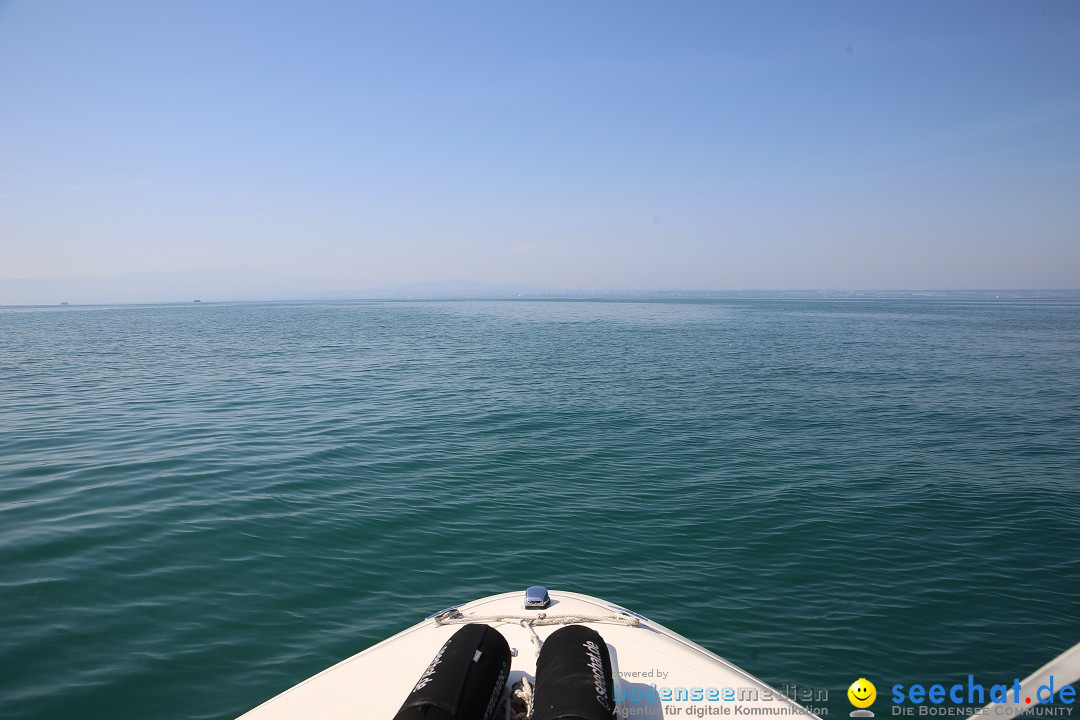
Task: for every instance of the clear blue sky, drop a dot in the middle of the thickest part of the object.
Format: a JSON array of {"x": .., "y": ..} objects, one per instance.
[{"x": 712, "y": 145}]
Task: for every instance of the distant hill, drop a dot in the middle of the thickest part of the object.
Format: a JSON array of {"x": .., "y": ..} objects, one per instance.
[
  {"x": 228, "y": 285},
  {"x": 238, "y": 284},
  {"x": 458, "y": 289},
  {"x": 154, "y": 287}
]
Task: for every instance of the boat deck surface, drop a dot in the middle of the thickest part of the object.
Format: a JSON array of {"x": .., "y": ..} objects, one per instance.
[{"x": 658, "y": 673}]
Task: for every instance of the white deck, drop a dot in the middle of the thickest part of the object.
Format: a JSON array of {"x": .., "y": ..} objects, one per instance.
[{"x": 658, "y": 674}]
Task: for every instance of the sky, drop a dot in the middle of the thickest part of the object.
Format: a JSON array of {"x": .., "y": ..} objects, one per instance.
[{"x": 555, "y": 144}]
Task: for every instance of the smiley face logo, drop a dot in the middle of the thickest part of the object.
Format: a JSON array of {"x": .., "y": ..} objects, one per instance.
[{"x": 862, "y": 693}]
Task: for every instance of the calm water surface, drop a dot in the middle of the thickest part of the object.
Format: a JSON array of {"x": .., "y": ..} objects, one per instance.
[{"x": 202, "y": 505}]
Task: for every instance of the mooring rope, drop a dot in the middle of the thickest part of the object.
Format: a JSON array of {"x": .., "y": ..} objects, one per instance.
[
  {"x": 522, "y": 696},
  {"x": 453, "y": 616}
]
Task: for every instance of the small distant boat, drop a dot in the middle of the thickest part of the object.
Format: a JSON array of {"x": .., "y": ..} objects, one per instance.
[
  {"x": 65, "y": 303},
  {"x": 596, "y": 660},
  {"x": 198, "y": 301}
]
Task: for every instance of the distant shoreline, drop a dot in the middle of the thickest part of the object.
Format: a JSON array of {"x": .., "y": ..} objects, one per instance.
[{"x": 1011, "y": 294}]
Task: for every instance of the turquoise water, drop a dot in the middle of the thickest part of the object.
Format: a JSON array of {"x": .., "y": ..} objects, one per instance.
[{"x": 201, "y": 505}]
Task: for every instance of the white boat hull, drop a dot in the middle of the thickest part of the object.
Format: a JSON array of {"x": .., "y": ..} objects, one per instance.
[{"x": 658, "y": 673}]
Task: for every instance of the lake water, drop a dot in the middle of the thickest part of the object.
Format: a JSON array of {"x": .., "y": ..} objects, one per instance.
[{"x": 202, "y": 505}]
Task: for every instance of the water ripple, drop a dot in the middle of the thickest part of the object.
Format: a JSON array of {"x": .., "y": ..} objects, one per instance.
[{"x": 233, "y": 497}]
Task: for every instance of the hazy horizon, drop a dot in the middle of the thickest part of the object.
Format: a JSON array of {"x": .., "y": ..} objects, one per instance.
[
  {"x": 340, "y": 147},
  {"x": 245, "y": 285}
]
